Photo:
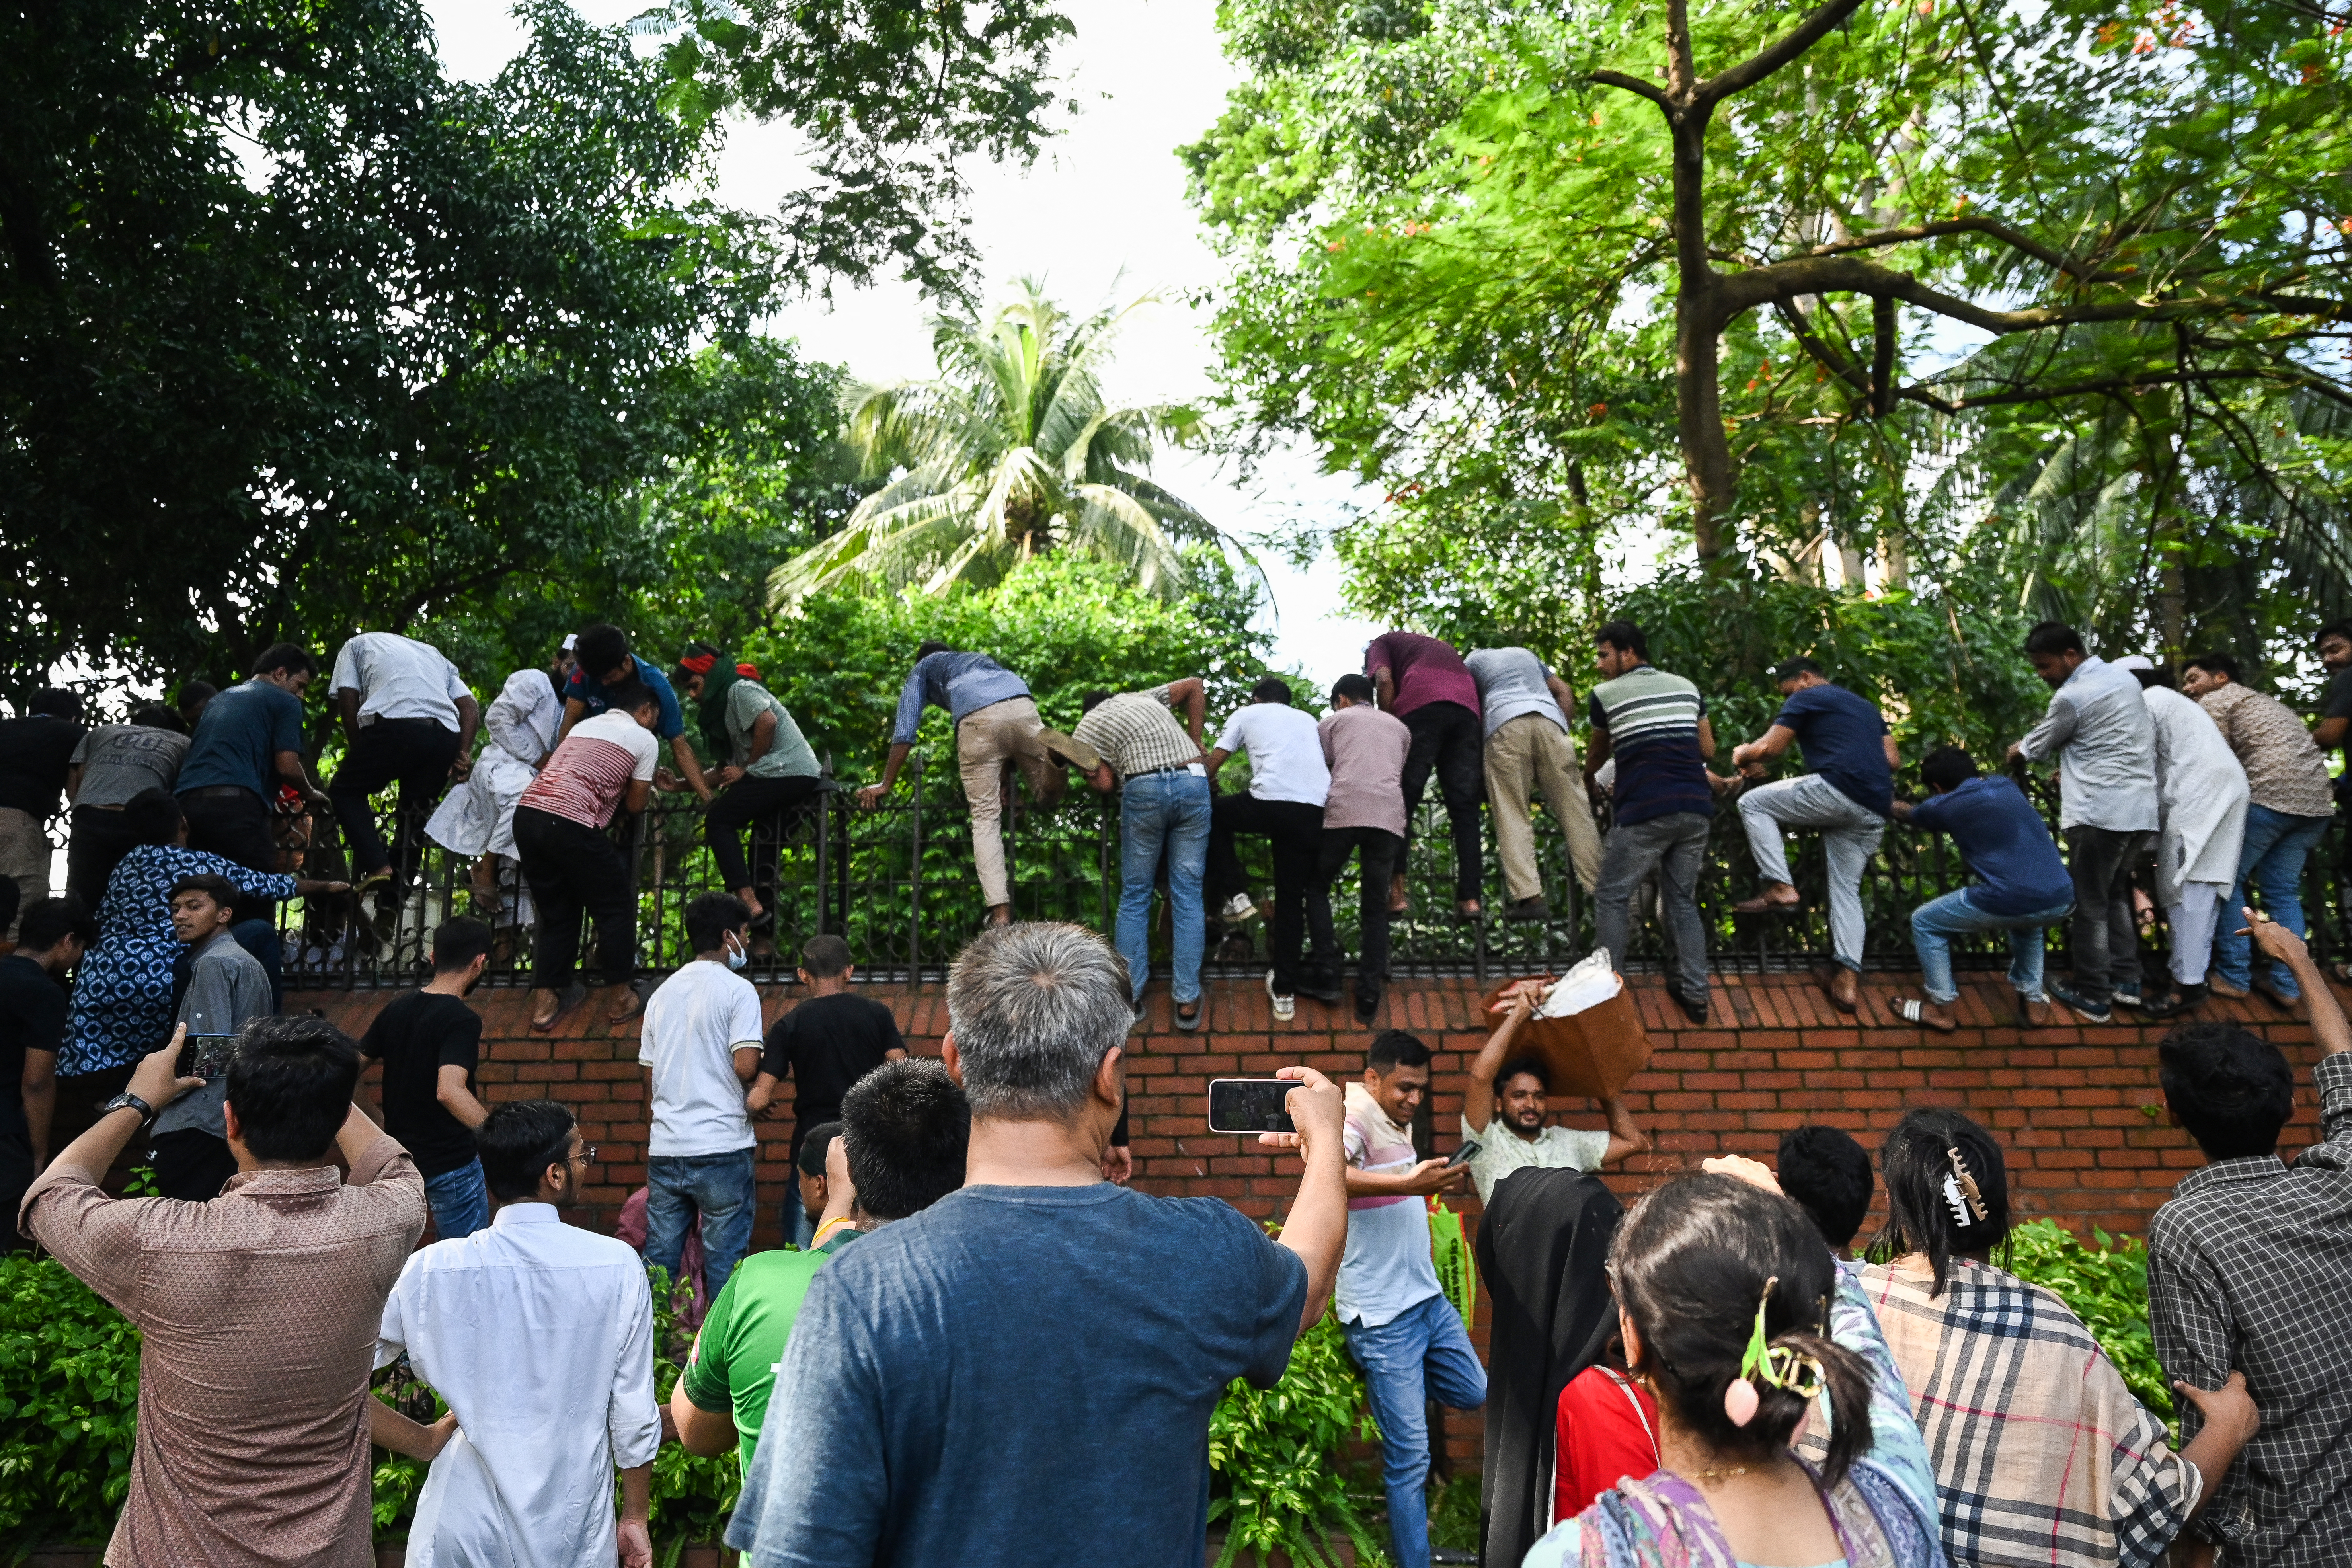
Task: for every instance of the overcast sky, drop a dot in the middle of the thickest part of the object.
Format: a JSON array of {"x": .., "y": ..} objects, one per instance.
[{"x": 1101, "y": 218}]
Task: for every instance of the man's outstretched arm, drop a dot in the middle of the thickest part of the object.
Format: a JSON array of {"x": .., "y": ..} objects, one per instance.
[{"x": 1316, "y": 1229}]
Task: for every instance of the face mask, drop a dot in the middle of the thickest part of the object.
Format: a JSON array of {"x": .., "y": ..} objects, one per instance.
[{"x": 737, "y": 958}]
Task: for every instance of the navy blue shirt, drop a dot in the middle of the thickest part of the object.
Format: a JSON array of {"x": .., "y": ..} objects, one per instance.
[
  {"x": 239, "y": 738},
  {"x": 1844, "y": 741},
  {"x": 1017, "y": 1376},
  {"x": 2005, "y": 843},
  {"x": 585, "y": 690}
]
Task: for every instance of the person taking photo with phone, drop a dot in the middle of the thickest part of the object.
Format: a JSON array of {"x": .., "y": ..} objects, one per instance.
[
  {"x": 226, "y": 986},
  {"x": 1505, "y": 1110}
]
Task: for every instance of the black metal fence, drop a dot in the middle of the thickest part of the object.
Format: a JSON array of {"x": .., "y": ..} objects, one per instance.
[{"x": 896, "y": 881}]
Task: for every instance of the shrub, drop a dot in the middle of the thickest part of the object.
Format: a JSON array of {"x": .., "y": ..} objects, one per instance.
[
  {"x": 68, "y": 1406},
  {"x": 2106, "y": 1285},
  {"x": 1276, "y": 1453}
]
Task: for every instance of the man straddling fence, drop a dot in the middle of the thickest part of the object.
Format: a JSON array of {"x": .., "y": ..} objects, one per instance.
[
  {"x": 1527, "y": 709},
  {"x": 1847, "y": 795},
  {"x": 1424, "y": 681},
  {"x": 409, "y": 720},
  {"x": 996, "y": 730},
  {"x": 1364, "y": 814},
  {"x": 771, "y": 771},
  {"x": 2201, "y": 816},
  {"x": 2098, "y": 726},
  {"x": 477, "y": 818},
  {"x": 606, "y": 665},
  {"x": 1289, "y": 782},
  {"x": 1139, "y": 749},
  {"x": 248, "y": 740}
]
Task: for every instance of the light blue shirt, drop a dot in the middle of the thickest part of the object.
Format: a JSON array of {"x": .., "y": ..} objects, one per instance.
[{"x": 960, "y": 683}]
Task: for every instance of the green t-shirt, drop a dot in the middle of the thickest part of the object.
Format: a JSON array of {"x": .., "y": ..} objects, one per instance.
[
  {"x": 733, "y": 1364},
  {"x": 788, "y": 755}
]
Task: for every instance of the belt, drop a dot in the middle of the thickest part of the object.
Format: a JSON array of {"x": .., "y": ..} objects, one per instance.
[
  {"x": 219, "y": 792},
  {"x": 1171, "y": 768}
]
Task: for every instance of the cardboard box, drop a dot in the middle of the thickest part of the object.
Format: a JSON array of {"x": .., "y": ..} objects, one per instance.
[{"x": 1594, "y": 1052}]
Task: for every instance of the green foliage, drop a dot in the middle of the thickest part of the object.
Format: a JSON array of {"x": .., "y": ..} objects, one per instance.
[
  {"x": 1456, "y": 1520},
  {"x": 1275, "y": 1456},
  {"x": 2103, "y": 1283},
  {"x": 68, "y": 1406},
  {"x": 691, "y": 1495}
]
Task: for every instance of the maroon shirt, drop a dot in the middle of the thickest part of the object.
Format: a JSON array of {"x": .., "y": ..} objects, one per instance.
[{"x": 1425, "y": 669}]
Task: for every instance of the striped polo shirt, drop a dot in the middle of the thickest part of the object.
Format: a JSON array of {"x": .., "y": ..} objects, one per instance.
[
  {"x": 1652, "y": 720},
  {"x": 1386, "y": 1269},
  {"x": 593, "y": 769}
]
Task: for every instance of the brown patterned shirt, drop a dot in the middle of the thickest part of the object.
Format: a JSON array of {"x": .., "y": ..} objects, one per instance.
[
  {"x": 2284, "y": 768},
  {"x": 259, "y": 1311}
]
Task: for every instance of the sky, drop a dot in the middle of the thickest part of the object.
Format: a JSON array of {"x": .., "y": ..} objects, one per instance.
[{"x": 1101, "y": 218}]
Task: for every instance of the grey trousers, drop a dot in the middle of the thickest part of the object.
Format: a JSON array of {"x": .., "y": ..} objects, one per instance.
[
  {"x": 1850, "y": 833},
  {"x": 1674, "y": 846}
]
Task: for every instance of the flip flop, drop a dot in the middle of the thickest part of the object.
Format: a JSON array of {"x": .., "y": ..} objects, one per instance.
[
  {"x": 2283, "y": 1003},
  {"x": 1911, "y": 1010}
]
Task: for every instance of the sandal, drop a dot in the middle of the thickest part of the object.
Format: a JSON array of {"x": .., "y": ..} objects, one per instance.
[
  {"x": 2283, "y": 1003},
  {"x": 1911, "y": 1010}
]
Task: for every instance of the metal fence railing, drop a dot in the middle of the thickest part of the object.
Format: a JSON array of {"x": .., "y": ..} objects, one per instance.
[{"x": 896, "y": 882}]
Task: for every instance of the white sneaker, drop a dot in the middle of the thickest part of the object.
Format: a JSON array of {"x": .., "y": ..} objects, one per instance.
[
  {"x": 1285, "y": 1007},
  {"x": 1240, "y": 906}
]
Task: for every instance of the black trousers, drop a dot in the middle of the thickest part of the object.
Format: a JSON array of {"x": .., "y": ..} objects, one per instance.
[
  {"x": 16, "y": 1175},
  {"x": 1380, "y": 850},
  {"x": 191, "y": 1164},
  {"x": 2105, "y": 937},
  {"x": 100, "y": 842},
  {"x": 763, "y": 805},
  {"x": 233, "y": 823},
  {"x": 1293, "y": 831},
  {"x": 572, "y": 871},
  {"x": 415, "y": 754},
  {"x": 1447, "y": 739}
]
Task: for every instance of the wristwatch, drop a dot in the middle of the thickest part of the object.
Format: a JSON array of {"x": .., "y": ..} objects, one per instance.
[{"x": 127, "y": 1099}]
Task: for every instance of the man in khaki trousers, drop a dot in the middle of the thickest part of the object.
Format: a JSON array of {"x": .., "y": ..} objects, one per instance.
[{"x": 1526, "y": 711}]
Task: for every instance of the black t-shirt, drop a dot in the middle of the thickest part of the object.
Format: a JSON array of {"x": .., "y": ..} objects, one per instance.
[
  {"x": 824, "y": 1046},
  {"x": 34, "y": 753},
  {"x": 32, "y": 1018},
  {"x": 416, "y": 1038}
]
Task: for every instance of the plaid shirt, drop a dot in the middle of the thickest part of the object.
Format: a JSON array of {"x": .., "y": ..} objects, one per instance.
[
  {"x": 2042, "y": 1454},
  {"x": 1137, "y": 734},
  {"x": 2250, "y": 1269}
]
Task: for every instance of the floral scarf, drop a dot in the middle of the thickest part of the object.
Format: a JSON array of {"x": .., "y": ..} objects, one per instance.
[{"x": 1664, "y": 1522}]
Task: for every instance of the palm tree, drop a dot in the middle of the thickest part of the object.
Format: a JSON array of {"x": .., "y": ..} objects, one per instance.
[{"x": 1011, "y": 452}]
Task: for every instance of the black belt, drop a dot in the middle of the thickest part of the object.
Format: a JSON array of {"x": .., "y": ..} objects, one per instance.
[
  {"x": 219, "y": 792},
  {"x": 1171, "y": 768}
]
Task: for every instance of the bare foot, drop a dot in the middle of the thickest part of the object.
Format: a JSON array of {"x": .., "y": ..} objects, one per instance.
[
  {"x": 1471, "y": 907},
  {"x": 2223, "y": 988},
  {"x": 750, "y": 901},
  {"x": 626, "y": 1005},
  {"x": 546, "y": 1006},
  {"x": 999, "y": 914},
  {"x": 1770, "y": 897},
  {"x": 1399, "y": 900}
]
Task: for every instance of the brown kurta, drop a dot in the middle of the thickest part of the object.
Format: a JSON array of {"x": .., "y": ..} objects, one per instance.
[{"x": 259, "y": 1311}]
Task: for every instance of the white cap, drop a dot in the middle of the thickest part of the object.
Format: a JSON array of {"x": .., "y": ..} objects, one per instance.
[
  {"x": 2134, "y": 661},
  {"x": 571, "y": 641}
]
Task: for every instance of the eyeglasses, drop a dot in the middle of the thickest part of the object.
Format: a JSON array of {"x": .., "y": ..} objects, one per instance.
[{"x": 587, "y": 1155}]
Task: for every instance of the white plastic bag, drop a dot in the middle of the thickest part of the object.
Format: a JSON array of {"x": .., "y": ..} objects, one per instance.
[{"x": 1587, "y": 984}]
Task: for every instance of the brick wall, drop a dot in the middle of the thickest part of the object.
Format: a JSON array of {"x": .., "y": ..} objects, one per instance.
[{"x": 2077, "y": 1110}]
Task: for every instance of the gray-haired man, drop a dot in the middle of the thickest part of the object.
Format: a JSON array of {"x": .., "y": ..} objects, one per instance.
[{"x": 1024, "y": 1372}]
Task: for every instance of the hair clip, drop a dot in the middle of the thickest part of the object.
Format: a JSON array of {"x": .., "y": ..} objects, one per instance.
[
  {"x": 1961, "y": 1194},
  {"x": 1779, "y": 1366}
]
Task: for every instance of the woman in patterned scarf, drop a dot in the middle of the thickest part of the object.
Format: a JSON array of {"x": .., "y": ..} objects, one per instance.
[
  {"x": 1725, "y": 1297},
  {"x": 2042, "y": 1454}
]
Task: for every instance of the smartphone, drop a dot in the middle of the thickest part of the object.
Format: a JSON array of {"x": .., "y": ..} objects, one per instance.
[
  {"x": 205, "y": 1056},
  {"x": 1250, "y": 1105},
  {"x": 1465, "y": 1155}
]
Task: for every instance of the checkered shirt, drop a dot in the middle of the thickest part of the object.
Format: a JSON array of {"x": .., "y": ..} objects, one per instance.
[
  {"x": 1137, "y": 734},
  {"x": 2250, "y": 1269},
  {"x": 2041, "y": 1456}
]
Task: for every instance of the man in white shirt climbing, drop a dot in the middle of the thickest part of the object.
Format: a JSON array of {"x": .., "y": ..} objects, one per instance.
[
  {"x": 539, "y": 1335},
  {"x": 1507, "y": 1102}
]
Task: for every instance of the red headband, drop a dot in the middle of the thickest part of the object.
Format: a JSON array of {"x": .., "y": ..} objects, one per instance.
[
  {"x": 699, "y": 663},
  {"x": 747, "y": 671}
]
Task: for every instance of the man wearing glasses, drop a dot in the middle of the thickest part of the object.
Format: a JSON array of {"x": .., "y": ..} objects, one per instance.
[{"x": 522, "y": 1327}]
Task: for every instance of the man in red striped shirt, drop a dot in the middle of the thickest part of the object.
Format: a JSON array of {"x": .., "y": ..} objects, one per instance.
[{"x": 572, "y": 866}]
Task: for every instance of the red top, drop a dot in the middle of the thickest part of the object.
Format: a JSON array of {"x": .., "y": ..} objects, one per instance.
[
  {"x": 1608, "y": 1430},
  {"x": 1426, "y": 670}
]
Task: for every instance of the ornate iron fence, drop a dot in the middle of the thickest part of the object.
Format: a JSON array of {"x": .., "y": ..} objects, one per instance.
[{"x": 896, "y": 882}]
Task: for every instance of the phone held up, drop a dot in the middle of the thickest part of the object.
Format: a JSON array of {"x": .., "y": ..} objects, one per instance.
[
  {"x": 205, "y": 1056},
  {"x": 1246, "y": 1105}
]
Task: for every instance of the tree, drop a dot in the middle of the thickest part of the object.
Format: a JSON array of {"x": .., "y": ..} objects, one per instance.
[{"x": 1013, "y": 452}]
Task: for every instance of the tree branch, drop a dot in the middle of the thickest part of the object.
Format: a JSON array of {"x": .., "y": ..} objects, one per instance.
[
  {"x": 1635, "y": 85},
  {"x": 1820, "y": 349},
  {"x": 1882, "y": 355},
  {"x": 2011, "y": 237},
  {"x": 1759, "y": 66},
  {"x": 2086, "y": 388}
]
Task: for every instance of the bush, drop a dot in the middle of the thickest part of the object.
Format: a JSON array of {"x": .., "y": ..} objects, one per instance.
[
  {"x": 69, "y": 1408},
  {"x": 2106, "y": 1285},
  {"x": 1275, "y": 1456}
]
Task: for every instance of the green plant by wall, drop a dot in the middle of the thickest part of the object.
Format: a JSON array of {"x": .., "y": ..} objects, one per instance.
[
  {"x": 69, "y": 1408},
  {"x": 2106, "y": 1285},
  {"x": 1275, "y": 1453},
  {"x": 691, "y": 1497}
]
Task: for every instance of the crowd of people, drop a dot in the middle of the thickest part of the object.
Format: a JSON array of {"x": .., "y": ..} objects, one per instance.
[{"x": 1708, "y": 1374}]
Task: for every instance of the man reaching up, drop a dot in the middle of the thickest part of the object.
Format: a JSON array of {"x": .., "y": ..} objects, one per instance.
[{"x": 1505, "y": 1108}]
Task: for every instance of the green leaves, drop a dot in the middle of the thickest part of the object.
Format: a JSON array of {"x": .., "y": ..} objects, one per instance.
[
  {"x": 68, "y": 1406},
  {"x": 2106, "y": 1285},
  {"x": 1275, "y": 1453}
]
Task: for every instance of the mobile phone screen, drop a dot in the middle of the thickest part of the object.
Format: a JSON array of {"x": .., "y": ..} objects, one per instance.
[
  {"x": 205, "y": 1056},
  {"x": 1465, "y": 1155},
  {"x": 1250, "y": 1105}
]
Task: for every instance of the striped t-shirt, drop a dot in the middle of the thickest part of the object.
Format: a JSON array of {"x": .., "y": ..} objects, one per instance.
[
  {"x": 1652, "y": 720},
  {"x": 593, "y": 769},
  {"x": 1386, "y": 1269}
]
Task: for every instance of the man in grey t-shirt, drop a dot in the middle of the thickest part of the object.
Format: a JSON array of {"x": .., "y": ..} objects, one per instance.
[
  {"x": 227, "y": 987},
  {"x": 1527, "y": 709},
  {"x": 110, "y": 766}
]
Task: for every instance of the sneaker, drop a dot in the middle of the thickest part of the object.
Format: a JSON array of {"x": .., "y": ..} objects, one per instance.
[
  {"x": 2131, "y": 999},
  {"x": 1286, "y": 1008},
  {"x": 2082, "y": 1006},
  {"x": 1536, "y": 908},
  {"x": 1143, "y": 1016},
  {"x": 1239, "y": 908},
  {"x": 2172, "y": 1006}
]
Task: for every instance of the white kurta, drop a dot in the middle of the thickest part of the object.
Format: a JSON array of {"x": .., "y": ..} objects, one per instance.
[
  {"x": 540, "y": 1336},
  {"x": 2203, "y": 789},
  {"x": 478, "y": 814}
]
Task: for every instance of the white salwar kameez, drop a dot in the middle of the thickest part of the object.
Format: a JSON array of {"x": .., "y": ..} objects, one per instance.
[
  {"x": 478, "y": 818},
  {"x": 2202, "y": 790}
]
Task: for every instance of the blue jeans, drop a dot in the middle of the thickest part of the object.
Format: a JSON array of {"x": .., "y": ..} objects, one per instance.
[
  {"x": 719, "y": 1187},
  {"x": 2271, "y": 864},
  {"x": 1934, "y": 923},
  {"x": 460, "y": 1201},
  {"x": 1161, "y": 812},
  {"x": 1406, "y": 1361}
]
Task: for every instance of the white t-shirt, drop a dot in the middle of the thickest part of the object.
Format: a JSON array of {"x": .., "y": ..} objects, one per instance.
[
  {"x": 1286, "y": 752},
  {"x": 693, "y": 1027},
  {"x": 1502, "y": 1151},
  {"x": 1386, "y": 1269},
  {"x": 399, "y": 677}
]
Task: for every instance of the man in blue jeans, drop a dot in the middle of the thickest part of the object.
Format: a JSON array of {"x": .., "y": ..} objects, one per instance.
[
  {"x": 1401, "y": 1328},
  {"x": 1132, "y": 742},
  {"x": 2022, "y": 886},
  {"x": 701, "y": 1042}
]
